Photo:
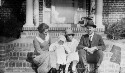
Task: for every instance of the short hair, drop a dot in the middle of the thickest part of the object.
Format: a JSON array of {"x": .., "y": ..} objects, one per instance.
[{"x": 42, "y": 27}]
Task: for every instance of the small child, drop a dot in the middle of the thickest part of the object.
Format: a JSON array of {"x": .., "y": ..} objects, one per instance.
[{"x": 60, "y": 49}]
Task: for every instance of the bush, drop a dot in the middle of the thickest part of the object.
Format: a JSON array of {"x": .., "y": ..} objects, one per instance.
[
  {"x": 1, "y": 70},
  {"x": 116, "y": 30}
]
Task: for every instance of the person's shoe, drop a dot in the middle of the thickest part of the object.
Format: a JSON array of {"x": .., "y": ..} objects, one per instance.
[
  {"x": 96, "y": 70},
  {"x": 53, "y": 70},
  {"x": 86, "y": 68},
  {"x": 66, "y": 71},
  {"x": 74, "y": 71}
]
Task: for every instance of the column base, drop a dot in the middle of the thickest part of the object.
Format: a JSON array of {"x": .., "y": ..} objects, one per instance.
[
  {"x": 101, "y": 26},
  {"x": 60, "y": 25},
  {"x": 27, "y": 25}
]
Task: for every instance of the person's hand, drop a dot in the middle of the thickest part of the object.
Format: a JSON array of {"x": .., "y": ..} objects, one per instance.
[
  {"x": 85, "y": 48},
  {"x": 92, "y": 49},
  {"x": 88, "y": 50}
]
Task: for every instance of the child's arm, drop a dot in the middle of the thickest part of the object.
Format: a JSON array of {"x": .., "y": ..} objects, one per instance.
[
  {"x": 66, "y": 48},
  {"x": 52, "y": 47}
]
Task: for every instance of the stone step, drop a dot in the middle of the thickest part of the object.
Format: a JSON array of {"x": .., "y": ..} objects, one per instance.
[{"x": 19, "y": 72}]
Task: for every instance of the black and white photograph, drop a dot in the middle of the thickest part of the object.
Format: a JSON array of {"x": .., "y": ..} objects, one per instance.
[{"x": 62, "y": 36}]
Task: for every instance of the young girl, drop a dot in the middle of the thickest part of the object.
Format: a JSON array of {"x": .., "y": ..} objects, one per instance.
[
  {"x": 72, "y": 56},
  {"x": 60, "y": 49}
]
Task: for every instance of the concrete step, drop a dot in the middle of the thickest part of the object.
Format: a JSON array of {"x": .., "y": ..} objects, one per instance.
[{"x": 19, "y": 72}]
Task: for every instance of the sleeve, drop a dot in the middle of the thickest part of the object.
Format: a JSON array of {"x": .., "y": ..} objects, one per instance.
[
  {"x": 75, "y": 44},
  {"x": 52, "y": 47},
  {"x": 50, "y": 41},
  {"x": 36, "y": 46},
  {"x": 81, "y": 44},
  {"x": 66, "y": 48},
  {"x": 101, "y": 44}
]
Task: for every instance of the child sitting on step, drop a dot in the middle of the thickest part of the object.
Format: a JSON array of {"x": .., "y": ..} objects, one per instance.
[{"x": 60, "y": 50}]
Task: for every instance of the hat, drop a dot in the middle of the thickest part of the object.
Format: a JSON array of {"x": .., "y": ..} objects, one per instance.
[
  {"x": 90, "y": 23},
  {"x": 68, "y": 32},
  {"x": 62, "y": 38}
]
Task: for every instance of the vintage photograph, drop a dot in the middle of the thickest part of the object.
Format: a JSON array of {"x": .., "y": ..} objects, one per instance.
[{"x": 62, "y": 36}]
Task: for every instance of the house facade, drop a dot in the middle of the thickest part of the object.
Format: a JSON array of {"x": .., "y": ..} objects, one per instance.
[
  {"x": 62, "y": 13},
  {"x": 58, "y": 14}
]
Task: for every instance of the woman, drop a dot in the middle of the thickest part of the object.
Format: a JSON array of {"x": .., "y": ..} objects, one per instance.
[
  {"x": 44, "y": 59},
  {"x": 72, "y": 56}
]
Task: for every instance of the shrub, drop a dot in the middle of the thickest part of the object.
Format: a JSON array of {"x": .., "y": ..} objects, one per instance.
[{"x": 116, "y": 30}]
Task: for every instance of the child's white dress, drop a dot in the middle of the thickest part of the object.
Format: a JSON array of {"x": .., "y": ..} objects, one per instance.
[
  {"x": 60, "y": 52},
  {"x": 73, "y": 54}
]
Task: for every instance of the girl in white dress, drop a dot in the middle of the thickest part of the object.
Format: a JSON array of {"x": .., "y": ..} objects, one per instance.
[
  {"x": 59, "y": 48},
  {"x": 72, "y": 56}
]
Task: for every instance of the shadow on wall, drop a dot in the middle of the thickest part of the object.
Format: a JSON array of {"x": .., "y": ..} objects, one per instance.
[
  {"x": 12, "y": 18},
  {"x": 30, "y": 60}
]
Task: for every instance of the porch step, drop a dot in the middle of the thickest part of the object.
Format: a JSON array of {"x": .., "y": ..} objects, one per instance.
[
  {"x": 19, "y": 72},
  {"x": 80, "y": 69}
]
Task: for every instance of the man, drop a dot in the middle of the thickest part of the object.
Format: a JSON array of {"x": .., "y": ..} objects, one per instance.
[{"x": 91, "y": 47}]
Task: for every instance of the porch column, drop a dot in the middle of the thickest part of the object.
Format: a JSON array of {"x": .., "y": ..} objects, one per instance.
[
  {"x": 98, "y": 15},
  {"x": 0, "y": 3},
  {"x": 36, "y": 12},
  {"x": 29, "y": 13}
]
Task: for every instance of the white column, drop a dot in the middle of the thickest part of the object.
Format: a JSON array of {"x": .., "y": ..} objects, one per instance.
[
  {"x": 29, "y": 13},
  {"x": 0, "y": 3},
  {"x": 43, "y": 11},
  {"x": 92, "y": 10},
  {"x": 36, "y": 12},
  {"x": 99, "y": 12}
]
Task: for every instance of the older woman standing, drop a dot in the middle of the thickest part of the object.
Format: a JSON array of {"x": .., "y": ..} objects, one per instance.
[{"x": 44, "y": 59}]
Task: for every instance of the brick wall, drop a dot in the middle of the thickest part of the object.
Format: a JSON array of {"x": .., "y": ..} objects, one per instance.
[
  {"x": 40, "y": 11},
  {"x": 113, "y": 10},
  {"x": 16, "y": 56},
  {"x": 2, "y": 58}
]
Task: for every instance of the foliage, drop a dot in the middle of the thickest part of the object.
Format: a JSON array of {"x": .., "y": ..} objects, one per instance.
[
  {"x": 11, "y": 18},
  {"x": 116, "y": 30}
]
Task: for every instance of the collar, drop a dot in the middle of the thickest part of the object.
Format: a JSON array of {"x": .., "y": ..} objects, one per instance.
[
  {"x": 46, "y": 37},
  {"x": 92, "y": 34}
]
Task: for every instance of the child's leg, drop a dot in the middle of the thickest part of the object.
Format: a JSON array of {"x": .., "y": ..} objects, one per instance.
[
  {"x": 74, "y": 65},
  {"x": 67, "y": 66},
  {"x": 57, "y": 66}
]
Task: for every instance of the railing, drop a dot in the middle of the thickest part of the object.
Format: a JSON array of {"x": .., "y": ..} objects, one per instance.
[
  {"x": 76, "y": 29},
  {"x": 56, "y": 31}
]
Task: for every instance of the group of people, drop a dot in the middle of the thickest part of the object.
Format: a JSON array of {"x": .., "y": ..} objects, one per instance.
[{"x": 67, "y": 50}]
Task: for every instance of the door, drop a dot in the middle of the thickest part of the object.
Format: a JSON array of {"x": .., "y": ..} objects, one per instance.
[{"x": 64, "y": 11}]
